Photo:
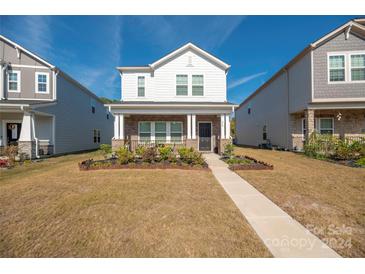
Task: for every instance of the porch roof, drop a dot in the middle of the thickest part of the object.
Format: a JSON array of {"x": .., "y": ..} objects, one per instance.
[
  {"x": 148, "y": 107},
  {"x": 7, "y": 105}
]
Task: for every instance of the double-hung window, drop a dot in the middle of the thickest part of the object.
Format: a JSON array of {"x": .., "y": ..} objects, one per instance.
[
  {"x": 198, "y": 85},
  {"x": 96, "y": 136},
  {"x": 42, "y": 82},
  {"x": 176, "y": 132},
  {"x": 141, "y": 86},
  {"x": 181, "y": 84},
  {"x": 144, "y": 132},
  {"x": 160, "y": 132},
  {"x": 326, "y": 125},
  {"x": 337, "y": 68},
  {"x": 358, "y": 67},
  {"x": 14, "y": 81}
]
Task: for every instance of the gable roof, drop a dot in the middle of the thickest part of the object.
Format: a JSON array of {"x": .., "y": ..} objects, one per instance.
[
  {"x": 171, "y": 55},
  {"x": 52, "y": 67},
  {"x": 352, "y": 25}
]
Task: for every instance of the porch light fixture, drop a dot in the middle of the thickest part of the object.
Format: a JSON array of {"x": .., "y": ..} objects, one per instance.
[{"x": 339, "y": 116}]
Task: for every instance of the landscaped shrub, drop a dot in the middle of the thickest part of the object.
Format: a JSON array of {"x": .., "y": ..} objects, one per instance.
[
  {"x": 140, "y": 150},
  {"x": 124, "y": 155},
  {"x": 165, "y": 152},
  {"x": 105, "y": 149},
  {"x": 233, "y": 161},
  {"x": 149, "y": 155},
  {"x": 190, "y": 156},
  {"x": 360, "y": 162},
  {"x": 11, "y": 152},
  {"x": 228, "y": 150}
]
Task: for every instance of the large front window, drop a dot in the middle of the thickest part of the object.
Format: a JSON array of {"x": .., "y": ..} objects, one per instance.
[
  {"x": 325, "y": 125},
  {"x": 160, "y": 132},
  {"x": 181, "y": 84},
  {"x": 358, "y": 67},
  {"x": 337, "y": 68}
]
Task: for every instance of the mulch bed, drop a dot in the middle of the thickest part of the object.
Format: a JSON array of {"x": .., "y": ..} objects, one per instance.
[
  {"x": 110, "y": 164},
  {"x": 255, "y": 165}
]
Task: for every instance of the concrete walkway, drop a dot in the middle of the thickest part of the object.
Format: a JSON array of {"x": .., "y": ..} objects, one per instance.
[{"x": 283, "y": 236}]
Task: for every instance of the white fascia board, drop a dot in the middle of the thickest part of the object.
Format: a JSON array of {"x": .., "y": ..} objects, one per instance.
[
  {"x": 27, "y": 51},
  {"x": 134, "y": 69},
  {"x": 193, "y": 47},
  {"x": 143, "y": 106}
]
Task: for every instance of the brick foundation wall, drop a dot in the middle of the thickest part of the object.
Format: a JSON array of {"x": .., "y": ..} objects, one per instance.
[{"x": 117, "y": 143}]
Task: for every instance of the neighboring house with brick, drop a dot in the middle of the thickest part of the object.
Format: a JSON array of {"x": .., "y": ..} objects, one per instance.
[
  {"x": 43, "y": 110},
  {"x": 322, "y": 89},
  {"x": 180, "y": 99}
]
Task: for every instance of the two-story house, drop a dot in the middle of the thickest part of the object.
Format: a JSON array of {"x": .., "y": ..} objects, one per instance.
[
  {"x": 321, "y": 89},
  {"x": 180, "y": 99},
  {"x": 43, "y": 110}
]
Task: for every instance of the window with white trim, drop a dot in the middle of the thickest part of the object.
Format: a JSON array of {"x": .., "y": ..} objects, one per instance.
[
  {"x": 176, "y": 132},
  {"x": 181, "y": 84},
  {"x": 198, "y": 85},
  {"x": 336, "y": 68},
  {"x": 141, "y": 86},
  {"x": 42, "y": 82},
  {"x": 14, "y": 81},
  {"x": 160, "y": 132},
  {"x": 326, "y": 125},
  {"x": 96, "y": 136},
  {"x": 144, "y": 131},
  {"x": 357, "y": 67}
]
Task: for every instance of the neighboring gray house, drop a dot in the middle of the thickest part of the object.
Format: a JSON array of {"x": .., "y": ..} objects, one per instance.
[
  {"x": 43, "y": 110},
  {"x": 322, "y": 89}
]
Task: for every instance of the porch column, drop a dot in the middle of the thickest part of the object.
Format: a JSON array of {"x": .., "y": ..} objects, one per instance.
[
  {"x": 116, "y": 126},
  {"x": 26, "y": 131},
  {"x": 188, "y": 124},
  {"x": 223, "y": 135},
  {"x": 228, "y": 127},
  {"x": 193, "y": 126},
  {"x": 309, "y": 121},
  {"x": 121, "y": 126},
  {"x": 26, "y": 144}
]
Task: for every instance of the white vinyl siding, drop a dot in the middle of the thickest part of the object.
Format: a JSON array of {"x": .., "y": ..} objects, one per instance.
[
  {"x": 141, "y": 86},
  {"x": 14, "y": 81},
  {"x": 358, "y": 67},
  {"x": 181, "y": 85},
  {"x": 198, "y": 85},
  {"x": 161, "y": 84}
]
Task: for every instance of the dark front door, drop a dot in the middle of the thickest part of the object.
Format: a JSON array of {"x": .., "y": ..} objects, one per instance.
[
  {"x": 13, "y": 132},
  {"x": 205, "y": 136}
]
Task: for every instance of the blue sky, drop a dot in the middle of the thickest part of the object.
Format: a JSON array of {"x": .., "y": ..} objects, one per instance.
[{"x": 90, "y": 47}]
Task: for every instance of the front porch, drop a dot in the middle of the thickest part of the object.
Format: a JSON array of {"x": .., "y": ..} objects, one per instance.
[
  {"x": 342, "y": 123},
  {"x": 203, "y": 132},
  {"x": 32, "y": 133}
]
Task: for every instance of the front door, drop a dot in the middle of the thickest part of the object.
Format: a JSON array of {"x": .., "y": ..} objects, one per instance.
[
  {"x": 13, "y": 132},
  {"x": 205, "y": 136}
]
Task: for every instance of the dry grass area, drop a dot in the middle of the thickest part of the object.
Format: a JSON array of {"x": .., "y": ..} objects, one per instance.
[
  {"x": 316, "y": 193},
  {"x": 51, "y": 209}
]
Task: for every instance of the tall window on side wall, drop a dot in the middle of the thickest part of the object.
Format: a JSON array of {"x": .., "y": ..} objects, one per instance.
[
  {"x": 337, "y": 68},
  {"x": 14, "y": 81},
  {"x": 41, "y": 82},
  {"x": 144, "y": 131},
  {"x": 326, "y": 125},
  {"x": 181, "y": 85},
  {"x": 198, "y": 85},
  {"x": 358, "y": 67},
  {"x": 96, "y": 136},
  {"x": 141, "y": 86}
]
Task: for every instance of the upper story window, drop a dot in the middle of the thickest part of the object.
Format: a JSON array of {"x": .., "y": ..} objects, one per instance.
[
  {"x": 42, "y": 82},
  {"x": 181, "y": 84},
  {"x": 14, "y": 81},
  {"x": 358, "y": 67},
  {"x": 198, "y": 85},
  {"x": 337, "y": 68},
  {"x": 141, "y": 86}
]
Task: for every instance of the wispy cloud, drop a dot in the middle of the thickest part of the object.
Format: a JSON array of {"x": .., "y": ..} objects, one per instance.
[{"x": 245, "y": 79}]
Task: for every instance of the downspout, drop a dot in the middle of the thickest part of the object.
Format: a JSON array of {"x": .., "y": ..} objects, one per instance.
[
  {"x": 2, "y": 82},
  {"x": 35, "y": 138}
]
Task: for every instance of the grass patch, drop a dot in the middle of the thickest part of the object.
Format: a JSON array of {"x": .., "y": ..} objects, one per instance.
[
  {"x": 318, "y": 194},
  {"x": 51, "y": 209}
]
